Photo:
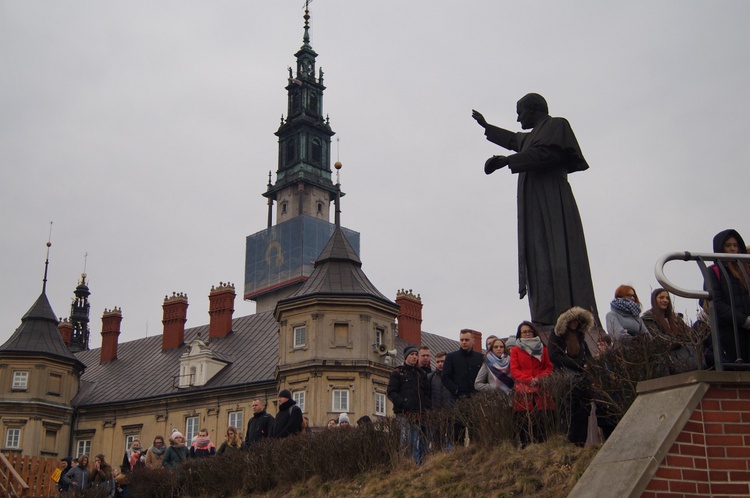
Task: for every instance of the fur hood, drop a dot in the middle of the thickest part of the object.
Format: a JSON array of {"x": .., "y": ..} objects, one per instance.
[{"x": 585, "y": 318}]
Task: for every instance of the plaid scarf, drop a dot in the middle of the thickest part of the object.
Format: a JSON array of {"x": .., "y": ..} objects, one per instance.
[
  {"x": 500, "y": 368},
  {"x": 626, "y": 306}
]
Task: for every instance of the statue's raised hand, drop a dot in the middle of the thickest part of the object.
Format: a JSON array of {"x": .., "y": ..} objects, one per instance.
[{"x": 479, "y": 118}]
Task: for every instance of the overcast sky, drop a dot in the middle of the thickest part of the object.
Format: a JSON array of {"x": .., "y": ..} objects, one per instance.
[{"x": 144, "y": 130}]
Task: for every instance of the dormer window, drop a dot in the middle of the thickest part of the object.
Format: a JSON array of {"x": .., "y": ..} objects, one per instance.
[{"x": 198, "y": 365}]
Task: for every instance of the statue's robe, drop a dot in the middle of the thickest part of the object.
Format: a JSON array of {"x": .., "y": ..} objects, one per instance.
[{"x": 553, "y": 264}]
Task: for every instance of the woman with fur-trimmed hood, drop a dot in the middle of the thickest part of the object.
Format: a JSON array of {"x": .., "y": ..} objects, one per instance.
[{"x": 568, "y": 351}]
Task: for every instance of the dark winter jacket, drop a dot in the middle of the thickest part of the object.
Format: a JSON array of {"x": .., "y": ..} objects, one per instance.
[
  {"x": 258, "y": 427},
  {"x": 288, "y": 420},
  {"x": 78, "y": 478},
  {"x": 175, "y": 455},
  {"x": 460, "y": 371},
  {"x": 440, "y": 397},
  {"x": 61, "y": 484},
  {"x": 408, "y": 390},
  {"x": 724, "y": 284},
  {"x": 558, "y": 353}
]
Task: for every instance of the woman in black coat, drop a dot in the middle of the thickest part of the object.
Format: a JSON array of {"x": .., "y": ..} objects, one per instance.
[
  {"x": 729, "y": 281},
  {"x": 568, "y": 351}
]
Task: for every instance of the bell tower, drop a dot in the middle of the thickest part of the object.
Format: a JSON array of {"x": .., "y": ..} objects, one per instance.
[
  {"x": 279, "y": 259},
  {"x": 79, "y": 317}
]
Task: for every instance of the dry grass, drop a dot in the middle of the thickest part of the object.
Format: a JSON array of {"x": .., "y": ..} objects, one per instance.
[{"x": 544, "y": 470}]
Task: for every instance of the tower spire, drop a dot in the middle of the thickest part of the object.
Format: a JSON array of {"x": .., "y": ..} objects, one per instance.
[{"x": 306, "y": 36}]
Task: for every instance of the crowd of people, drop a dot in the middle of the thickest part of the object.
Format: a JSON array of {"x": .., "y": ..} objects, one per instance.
[{"x": 518, "y": 367}]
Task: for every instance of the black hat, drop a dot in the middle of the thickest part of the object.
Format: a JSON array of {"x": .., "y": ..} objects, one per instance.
[
  {"x": 409, "y": 350},
  {"x": 285, "y": 393}
]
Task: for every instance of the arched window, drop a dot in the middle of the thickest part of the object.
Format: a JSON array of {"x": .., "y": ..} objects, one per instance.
[
  {"x": 313, "y": 103},
  {"x": 290, "y": 151},
  {"x": 317, "y": 151}
]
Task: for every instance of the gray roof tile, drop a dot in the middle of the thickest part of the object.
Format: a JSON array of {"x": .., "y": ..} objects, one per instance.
[
  {"x": 142, "y": 370},
  {"x": 38, "y": 333}
]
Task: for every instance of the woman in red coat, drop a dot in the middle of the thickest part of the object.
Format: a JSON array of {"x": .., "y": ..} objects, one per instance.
[{"x": 529, "y": 365}]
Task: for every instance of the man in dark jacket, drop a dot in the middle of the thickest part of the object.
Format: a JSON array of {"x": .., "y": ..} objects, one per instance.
[
  {"x": 440, "y": 399},
  {"x": 259, "y": 427},
  {"x": 461, "y": 367},
  {"x": 459, "y": 373},
  {"x": 289, "y": 419},
  {"x": 408, "y": 391}
]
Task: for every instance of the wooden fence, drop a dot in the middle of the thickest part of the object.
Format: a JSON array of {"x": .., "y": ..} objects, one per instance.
[{"x": 36, "y": 472}]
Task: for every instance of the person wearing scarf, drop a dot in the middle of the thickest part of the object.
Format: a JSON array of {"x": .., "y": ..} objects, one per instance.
[
  {"x": 569, "y": 352},
  {"x": 495, "y": 371},
  {"x": 202, "y": 445},
  {"x": 624, "y": 320},
  {"x": 177, "y": 451},
  {"x": 135, "y": 457},
  {"x": 529, "y": 365},
  {"x": 156, "y": 453},
  {"x": 729, "y": 282}
]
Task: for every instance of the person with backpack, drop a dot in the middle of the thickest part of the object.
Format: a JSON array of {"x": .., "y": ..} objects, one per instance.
[{"x": 289, "y": 419}]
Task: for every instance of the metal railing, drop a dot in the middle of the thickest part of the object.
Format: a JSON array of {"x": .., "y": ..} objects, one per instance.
[{"x": 721, "y": 361}]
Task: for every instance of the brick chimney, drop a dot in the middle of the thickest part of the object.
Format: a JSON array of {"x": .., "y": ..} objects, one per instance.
[
  {"x": 477, "y": 341},
  {"x": 409, "y": 316},
  {"x": 175, "y": 315},
  {"x": 220, "y": 309},
  {"x": 110, "y": 332},
  {"x": 66, "y": 330}
]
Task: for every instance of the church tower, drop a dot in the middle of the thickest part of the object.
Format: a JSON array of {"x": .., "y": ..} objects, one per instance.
[
  {"x": 79, "y": 317},
  {"x": 279, "y": 259}
]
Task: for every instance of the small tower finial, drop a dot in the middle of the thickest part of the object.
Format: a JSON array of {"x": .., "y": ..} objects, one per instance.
[
  {"x": 306, "y": 37},
  {"x": 46, "y": 261}
]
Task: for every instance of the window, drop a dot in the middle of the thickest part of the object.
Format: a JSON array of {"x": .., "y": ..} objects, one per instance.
[
  {"x": 191, "y": 429},
  {"x": 300, "y": 336},
  {"x": 341, "y": 334},
  {"x": 20, "y": 379},
  {"x": 235, "y": 420},
  {"x": 13, "y": 438},
  {"x": 130, "y": 438},
  {"x": 50, "y": 439},
  {"x": 283, "y": 207},
  {"x": 299, "y": 398},
  {"x": 83, "y": 447},
  {"x": 340, "y": 400},
  {"x": 54, "y": 386},
  {"x": 380, "y": 404},
  {"x": 379, "y": 334}
]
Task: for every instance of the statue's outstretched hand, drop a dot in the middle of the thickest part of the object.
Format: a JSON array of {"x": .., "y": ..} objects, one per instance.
[
  {"x": 494, "y": 163},
  {"x": 479, "y": 118}
]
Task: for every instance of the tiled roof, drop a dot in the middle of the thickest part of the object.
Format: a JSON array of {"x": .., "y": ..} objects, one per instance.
[
  {"x": 38, "y": 333},
  {"x": 142, "y": 370},
  {"x": 338, "y": 272}
]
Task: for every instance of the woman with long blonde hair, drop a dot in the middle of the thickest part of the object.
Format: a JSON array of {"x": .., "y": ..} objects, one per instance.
[{"x": 233, "y": 443}]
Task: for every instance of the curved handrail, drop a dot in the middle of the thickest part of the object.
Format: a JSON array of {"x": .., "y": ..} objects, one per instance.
[{"x": 691, "y": 256}]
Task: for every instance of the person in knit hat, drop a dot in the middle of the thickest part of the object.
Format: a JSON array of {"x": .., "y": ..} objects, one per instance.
[
  {"x": 408, "y": 391},
  {"x": 177, "y": 451},
  {"x": 289, "y": 419},
  {"x": 344, "y": 421}
]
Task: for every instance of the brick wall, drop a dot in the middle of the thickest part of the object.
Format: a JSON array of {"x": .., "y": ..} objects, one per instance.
[{"x": 711, "y": 455}]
